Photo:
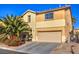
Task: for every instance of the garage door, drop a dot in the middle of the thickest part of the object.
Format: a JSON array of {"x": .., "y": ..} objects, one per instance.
[{"x": 49, "y": 36}]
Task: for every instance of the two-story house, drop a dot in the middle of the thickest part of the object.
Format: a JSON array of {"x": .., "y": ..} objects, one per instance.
[{"x": 51, "y": 25}]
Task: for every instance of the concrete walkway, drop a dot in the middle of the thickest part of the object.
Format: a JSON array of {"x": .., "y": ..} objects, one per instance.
[{"x": 38, "y": 48}]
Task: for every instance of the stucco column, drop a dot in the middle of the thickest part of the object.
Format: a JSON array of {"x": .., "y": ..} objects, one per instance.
[
  {"x": 63, "y": 36},
  {"x": 34, "y": 35}
]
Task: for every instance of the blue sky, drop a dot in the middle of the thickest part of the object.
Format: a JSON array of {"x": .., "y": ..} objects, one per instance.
[{"x": 19, "y": 9}]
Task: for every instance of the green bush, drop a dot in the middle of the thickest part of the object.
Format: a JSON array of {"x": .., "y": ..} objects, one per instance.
[
  {"x": 11, "y": 42},
  {"x": 3, "y": 37},
  {"x": 14, "y": 42}
]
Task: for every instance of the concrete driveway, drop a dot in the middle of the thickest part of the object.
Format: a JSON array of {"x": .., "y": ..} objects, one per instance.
[
  {"x": 7, "y": 51},
  {"x": 38, "y": 48}
]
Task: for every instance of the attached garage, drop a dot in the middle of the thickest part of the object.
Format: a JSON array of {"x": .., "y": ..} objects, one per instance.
[{"x": 52, "y": 36}]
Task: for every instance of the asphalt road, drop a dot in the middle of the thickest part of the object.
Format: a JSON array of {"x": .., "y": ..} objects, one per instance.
[{"x": 38, "y": 48}]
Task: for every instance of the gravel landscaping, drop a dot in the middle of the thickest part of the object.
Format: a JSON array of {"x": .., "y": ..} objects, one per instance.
[
  {"x": 2, "y": 45},
  {"x": 67, "y": 48}
]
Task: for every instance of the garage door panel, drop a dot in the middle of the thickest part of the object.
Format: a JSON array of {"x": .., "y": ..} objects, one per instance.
[{"x": 49, "y": 36}]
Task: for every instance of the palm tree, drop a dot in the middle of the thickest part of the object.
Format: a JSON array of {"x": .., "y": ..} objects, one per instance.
[
  {"x": 73, "y": 21},
  {"x": 14, "y": 26}
]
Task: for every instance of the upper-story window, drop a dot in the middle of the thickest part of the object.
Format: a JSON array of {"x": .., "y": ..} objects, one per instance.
[
  {"x": 48, "y": 16},
  {"x": 29, "y": 18}
]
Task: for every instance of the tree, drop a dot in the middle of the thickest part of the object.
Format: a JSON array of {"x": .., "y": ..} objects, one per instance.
[
  {"x": 14, "y": 26},
  {"x": 73, "y": 21}
]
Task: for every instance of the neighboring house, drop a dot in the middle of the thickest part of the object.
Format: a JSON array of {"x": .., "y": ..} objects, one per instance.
[
  {"x": 51, "y": 25},
  {"x": 76, "y": 30}
]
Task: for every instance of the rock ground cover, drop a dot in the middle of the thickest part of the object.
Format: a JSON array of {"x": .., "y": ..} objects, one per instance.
[{"x": 67, "y": 48}]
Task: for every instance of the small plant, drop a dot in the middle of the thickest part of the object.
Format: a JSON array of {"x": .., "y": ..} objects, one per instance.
[
  {"x": 7, "y": 41},
  {"x": 14, "y": 43}
]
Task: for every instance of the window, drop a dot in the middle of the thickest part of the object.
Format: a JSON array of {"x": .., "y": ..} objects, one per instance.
[
  {"x": 29, "y": 18},
  {"x": 49, "y": 16}
]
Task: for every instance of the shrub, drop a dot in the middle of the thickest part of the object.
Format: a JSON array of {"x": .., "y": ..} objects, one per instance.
[
  {"x": 3, "y": 37},
  {"x": 14, "y": 43},
  {"x": 7, "y": 41}
]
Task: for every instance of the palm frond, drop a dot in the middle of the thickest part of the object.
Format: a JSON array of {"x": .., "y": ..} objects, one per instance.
[{"x": 15, "y": 25}]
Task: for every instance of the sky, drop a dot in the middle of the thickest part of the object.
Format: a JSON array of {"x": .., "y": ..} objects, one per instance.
[{"x": 19, "y": 9}]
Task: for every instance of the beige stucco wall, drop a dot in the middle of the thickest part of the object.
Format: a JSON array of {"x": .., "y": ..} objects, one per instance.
[
  {"x": 40, "y": 17},
  {"x": 68, "y": 19},
  {"x": 58, "y": 15},
  {"x": 68, "y": 23},
  {"x": 53, "y": 23},
  {"x": 60, "y": 28},
  {"x": 32, "y": 23}
]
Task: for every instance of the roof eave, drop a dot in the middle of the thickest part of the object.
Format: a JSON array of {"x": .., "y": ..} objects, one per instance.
[
  {"x": 28, "y": 11},
  {"x": 54, "y": 9}
]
